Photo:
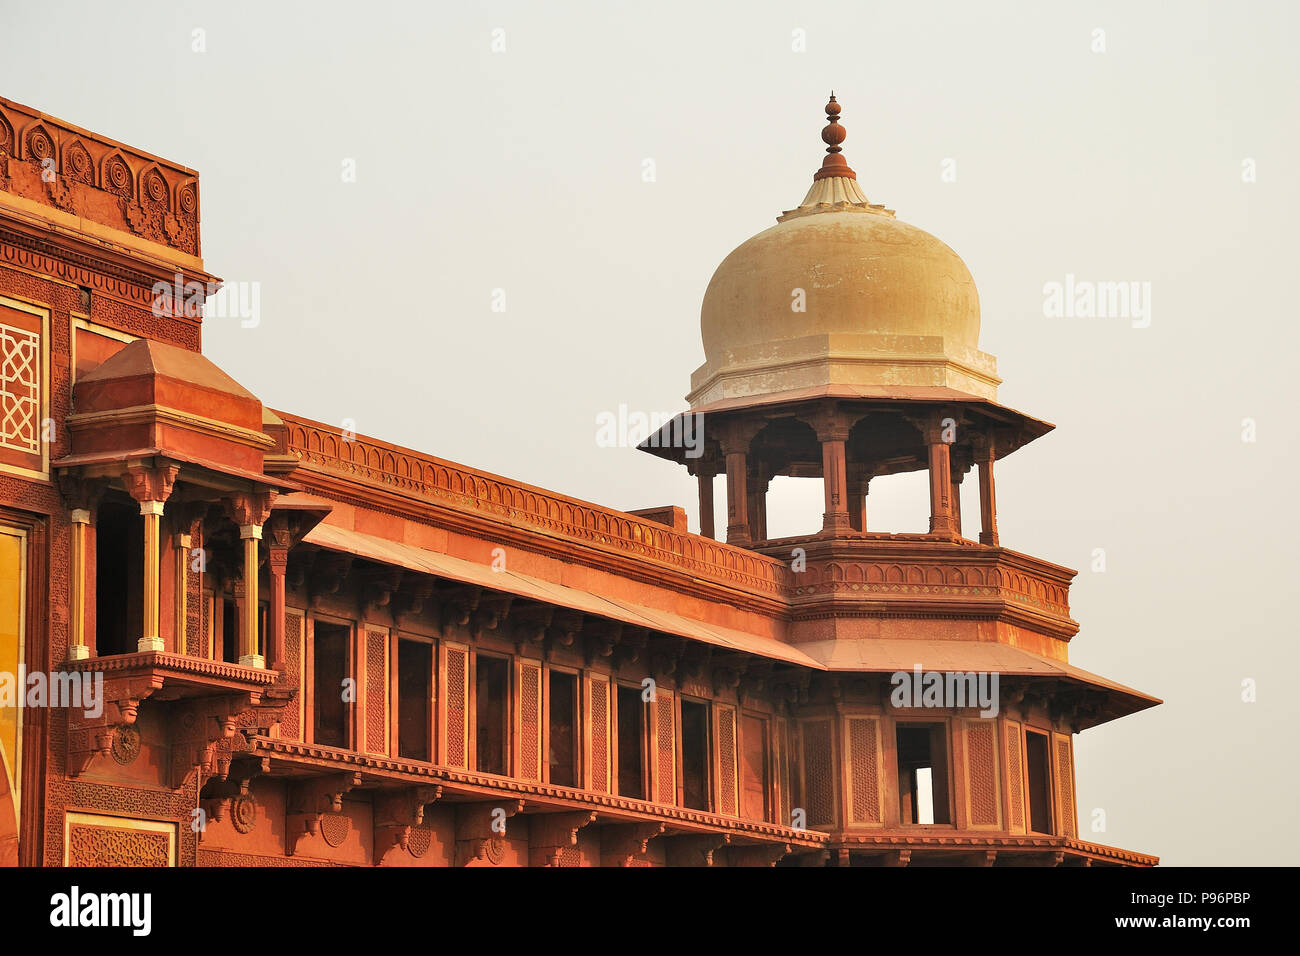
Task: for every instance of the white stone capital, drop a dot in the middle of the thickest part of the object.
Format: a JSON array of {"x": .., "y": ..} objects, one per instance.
[
  {"x": 151, "y": 507},
  {"x": 80, "y": 516},
  {"x": 247, "y": 531}
]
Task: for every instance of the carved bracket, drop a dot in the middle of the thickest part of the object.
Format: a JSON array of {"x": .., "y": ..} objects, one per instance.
[
  {"x": 763, "y": 854},
  {"x": 552, "y": 833},
  {"x": 695, "y": 849},
  {"x": 625, "y": 844},
  {"x": 480, "y": 829},
  {"x": 395, "y": 813},
  {"x": 309, "y": 800}
]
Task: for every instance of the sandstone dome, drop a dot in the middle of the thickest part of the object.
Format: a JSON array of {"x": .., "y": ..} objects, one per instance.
[{"x": 839, "y": 294}]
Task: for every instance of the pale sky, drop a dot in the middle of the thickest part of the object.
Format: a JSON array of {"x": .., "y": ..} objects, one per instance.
[{"x": 522, "y": 170}]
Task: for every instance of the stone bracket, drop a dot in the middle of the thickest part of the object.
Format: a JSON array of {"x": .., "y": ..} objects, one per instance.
[
  {"x": 551, "y": 833},
  {"x": 695, "y": 849},
  {"x": 309, "y": 800},
  {"x": 395, "y": 812},
  {"x": 762, "y": 854},
  {"x": 475, "y": 836},
  {"x": 89, "y": 737},
  {"x": 625, "y": 844}
]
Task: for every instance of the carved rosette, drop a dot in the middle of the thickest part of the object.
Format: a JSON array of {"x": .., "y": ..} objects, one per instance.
[
  {"x": 126, "y": 744},
  {"x": 117, "y": 176},
  {"x": 77, "y": 165},
  {"x": 40, "y": 146},
  {"x": 243, "y": 812}
]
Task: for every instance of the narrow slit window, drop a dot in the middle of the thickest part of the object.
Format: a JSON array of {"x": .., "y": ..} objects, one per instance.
[
  {"x": 490, "y": 704},
  {"x": 562, "y": 729},
  {"x": 1040, "y": 782},
  {"x": 922, "y": 774},
  {"x": 414, "y": 698},
  {"x": 330, "y": 670},
  {"x": 695, "y": 755},
  {"x": 631, "y": 743}
]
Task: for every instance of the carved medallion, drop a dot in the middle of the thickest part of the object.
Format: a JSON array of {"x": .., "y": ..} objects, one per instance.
[
  {"x": 334, "y": 827},
  {"x": 126, "y": 744},
  {"x": 39, "y": 145},
  {"x": 117, "y": 176},
  {"x": 156, "y": 186},
  {"x": 419, "y": 841},
  {"x": 243, "y": 812},
  {"x": 77, "y": 164},
  {"x": 495, "y": 851}
]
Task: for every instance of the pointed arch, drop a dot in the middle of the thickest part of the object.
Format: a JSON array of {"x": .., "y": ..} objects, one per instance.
[{"x": 116, "y": 174}]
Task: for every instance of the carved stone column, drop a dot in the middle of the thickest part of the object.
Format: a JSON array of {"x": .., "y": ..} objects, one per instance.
[
  {"x": 984, "y": 452},
  {"x": 277, "y": 561},
  {"x": 938, "y": 444},
  {"x": 959, "y": 463},
  {"x": 704, "y": 477},
  {"x": 859, "y": 483},
  {"x": 833, "y": 432},
  {"x": 737, "y": 495},
  {"x": 250, "y": 510},
  {"x": 77, "y": 649},
  {"x": 756, "y": 500},
  {"x": 151, "y": 487},
  {"x": 181, "y": 544}
]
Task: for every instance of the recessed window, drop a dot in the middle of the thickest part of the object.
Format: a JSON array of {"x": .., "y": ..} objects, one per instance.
[
  {"x": 232, "y": 617},
  {"x": 119, "y": 578},
  {"x": 1040, "y": 782},
  {"x": 922, "y": 774},
  {"x": 330, "y": 670},
  {"x": 562, "y": 729},
  {"x": 414, "y": 697},
  {"x": 631, "y": 743},
  {"x": 753, "y": 750},
  {"x": 695, "y": 755},
  {"x": 490, "y": 703}
]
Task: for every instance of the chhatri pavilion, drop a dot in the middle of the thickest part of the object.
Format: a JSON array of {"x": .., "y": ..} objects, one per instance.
[{"x": 318, "y": 648}]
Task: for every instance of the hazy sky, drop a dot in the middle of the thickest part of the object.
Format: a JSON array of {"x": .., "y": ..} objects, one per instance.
[{"x": 522, "y": 170}]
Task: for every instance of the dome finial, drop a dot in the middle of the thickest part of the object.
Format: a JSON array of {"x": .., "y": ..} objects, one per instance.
[{"x": 832, "y": 135}]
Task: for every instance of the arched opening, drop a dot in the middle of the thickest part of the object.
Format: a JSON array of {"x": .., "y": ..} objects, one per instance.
[
  {"x": 888, "y": 484},
  {"x": 782, "y": 505}
]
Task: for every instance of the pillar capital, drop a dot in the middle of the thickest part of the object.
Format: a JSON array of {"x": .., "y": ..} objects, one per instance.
[
  {"x": 279, "y": 539},
  {"x": 80, "y": 494},
  {"x": 831, "y": 423},
  {"x": 253, "y": 531},
  {"x": 249, "y": 509},
  {"x": 79, "y": 515},
  {"x": 150, "y": 483},
  {"x": 734, "y": 436}
]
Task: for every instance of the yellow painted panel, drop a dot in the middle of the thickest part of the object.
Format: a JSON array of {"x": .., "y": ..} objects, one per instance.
[{"x": 12, "y": 588}]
